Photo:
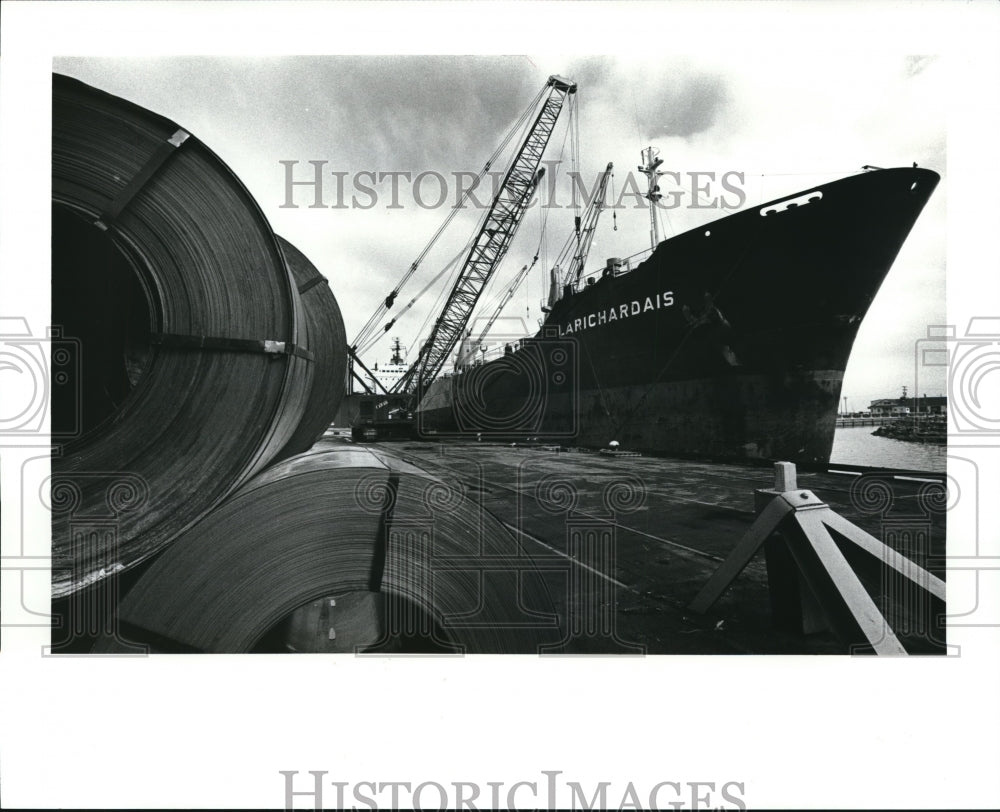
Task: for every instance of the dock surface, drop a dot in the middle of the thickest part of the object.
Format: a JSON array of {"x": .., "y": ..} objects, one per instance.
[{"x": 666, "y": 526}]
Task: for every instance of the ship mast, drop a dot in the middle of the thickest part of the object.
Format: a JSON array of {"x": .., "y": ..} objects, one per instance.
[
  {"x": 397, "y": 352},
  {"x": 652, "y": 173}
]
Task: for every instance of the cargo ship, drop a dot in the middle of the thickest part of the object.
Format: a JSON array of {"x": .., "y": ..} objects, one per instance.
[
  {"x": 388, "y": 376},
  {"x": 728, "y": 341}
]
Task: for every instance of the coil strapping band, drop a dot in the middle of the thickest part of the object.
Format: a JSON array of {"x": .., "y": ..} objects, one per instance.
[
  {"x": 141, "y": 178},
  {"x": 309, "y": 284},
  {"x": 377, "y": 573},
  {"x": 173, "y": 341}
]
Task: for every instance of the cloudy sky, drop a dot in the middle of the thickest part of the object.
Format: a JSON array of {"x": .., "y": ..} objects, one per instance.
[{"x": 784, "y": 122}]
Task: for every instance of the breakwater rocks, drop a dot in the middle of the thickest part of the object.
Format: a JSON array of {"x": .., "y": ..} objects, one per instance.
[{"x": 916, "y": 429}]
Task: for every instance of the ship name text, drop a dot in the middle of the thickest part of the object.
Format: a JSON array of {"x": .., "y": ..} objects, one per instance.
[{"x": 625, "y": 310}]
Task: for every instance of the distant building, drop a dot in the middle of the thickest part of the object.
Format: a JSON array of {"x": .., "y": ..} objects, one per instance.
[
  {"x": 889, "y": 407},
  {"x": 932, "y": 405},
  {"x": 898, "y": 407}
]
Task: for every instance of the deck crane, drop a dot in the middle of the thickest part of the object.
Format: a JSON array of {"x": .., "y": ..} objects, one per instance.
[
  {"x": 508, "y": 295},
  {"x": 490, "y": 244},
  {"x": 585, "y": 228},
  {"x": 582, "y": 237}
]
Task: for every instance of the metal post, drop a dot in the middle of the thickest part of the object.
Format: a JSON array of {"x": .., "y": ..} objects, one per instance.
[{"x": 811, "y": 583}]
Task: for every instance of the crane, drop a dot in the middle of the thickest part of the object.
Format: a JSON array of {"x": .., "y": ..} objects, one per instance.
[
  {"x": 508, "y": 295},
  {"x": 490, "y": 243},
  {"x": 586, "y": 226},
  {"x": 582, "y": 237}
]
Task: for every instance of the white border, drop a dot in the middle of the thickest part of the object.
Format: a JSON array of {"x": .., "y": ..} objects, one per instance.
[{"x": 214, "y": 731}]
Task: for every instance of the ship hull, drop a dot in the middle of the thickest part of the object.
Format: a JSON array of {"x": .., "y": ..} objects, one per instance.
[{"x": 729, "y": 341}]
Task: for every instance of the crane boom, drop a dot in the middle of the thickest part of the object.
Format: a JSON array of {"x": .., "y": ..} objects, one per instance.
[
  {"x": 491, "y": 242},
  {"x": 503, "y": 302},
  {"x": 583, "y": 235},
  {"x": 586, "y": 228}
]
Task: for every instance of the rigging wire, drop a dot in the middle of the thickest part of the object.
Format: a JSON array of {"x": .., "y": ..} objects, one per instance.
[
  {"x": 389, "y": 325},
  {"x": 436, "y": 307},
  {"x": 452, "y": 269},
  {"x": 575, "y": 148},
  {"x": 665, "y": 213},
  {"x": 387, "y": 303},
  {"x": 541, "y": 249},
  {"x": 528, "y": 125},
  {"x": 506, "y": 212},
  {"x": 614, "y": 202}
]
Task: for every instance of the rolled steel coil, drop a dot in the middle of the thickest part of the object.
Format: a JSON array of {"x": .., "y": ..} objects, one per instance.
[
  {"x": 174, "y": 296},
  {"x": 340, "y": 521},
  {"x": 326, "y": 340}
]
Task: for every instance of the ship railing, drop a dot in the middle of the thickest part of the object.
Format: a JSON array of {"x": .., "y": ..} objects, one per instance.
[
  {"x": 494, "y": 350},
  {"x": 629, "y": 264}
]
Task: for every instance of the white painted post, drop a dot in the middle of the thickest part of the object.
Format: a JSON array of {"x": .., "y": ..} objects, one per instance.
[{"x": 784, "y": 477}]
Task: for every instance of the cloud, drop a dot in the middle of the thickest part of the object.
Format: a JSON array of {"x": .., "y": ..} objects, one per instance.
[
  {"x": 691, "y": 105},
  {"x": 420, "y": 113},
  {"x": 785, "y": 120}
]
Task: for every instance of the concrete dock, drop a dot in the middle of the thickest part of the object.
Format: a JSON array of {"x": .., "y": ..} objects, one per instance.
[{"x": 666, "y": 526}]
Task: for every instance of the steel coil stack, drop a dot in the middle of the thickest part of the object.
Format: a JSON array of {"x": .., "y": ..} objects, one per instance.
[
  {"x": 342, "y": 522},
  {"x": 192, "y": 375},
  {"x": 192, "y": 507},
  {"x": 326, "y": 340}
]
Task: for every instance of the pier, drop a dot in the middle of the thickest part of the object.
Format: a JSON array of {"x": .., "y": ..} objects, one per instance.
[
  {"x": 667, "y": 525},
  {"x": 871, "y": 420}
]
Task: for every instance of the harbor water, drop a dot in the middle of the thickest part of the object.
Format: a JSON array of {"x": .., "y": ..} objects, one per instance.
[{"x": 858, "y": 446}]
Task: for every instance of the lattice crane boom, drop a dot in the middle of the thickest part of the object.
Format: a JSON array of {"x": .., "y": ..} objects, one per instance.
[{"x": 491, "y": 242}]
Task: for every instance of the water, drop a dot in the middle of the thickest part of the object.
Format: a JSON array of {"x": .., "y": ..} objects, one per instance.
[{"x": 858, "y": 446}]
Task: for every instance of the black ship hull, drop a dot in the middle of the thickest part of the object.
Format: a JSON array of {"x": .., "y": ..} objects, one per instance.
[{"x": 729, "y": 341}]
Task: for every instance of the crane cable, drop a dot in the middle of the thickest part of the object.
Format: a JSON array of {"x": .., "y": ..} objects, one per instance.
[
  {"x": 500, "y": 301},
  {"x": 365, "y": 333},
  {"x": 389, "y": 325},
  {"x": 503, "y": 297},
  {"x": 575, "y": 150},
  {"x": 614, "y": 203},
  {"x": 435, "y": 308}
]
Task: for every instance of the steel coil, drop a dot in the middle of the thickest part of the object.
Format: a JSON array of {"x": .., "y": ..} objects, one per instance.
[
  {"x": 170, "y": 285},
  {"x": 341, "y": 521},
  {"x": 326, "y": 340}
]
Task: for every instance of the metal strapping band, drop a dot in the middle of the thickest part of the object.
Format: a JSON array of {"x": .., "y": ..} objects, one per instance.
[
  {"x": 267, "y": 347},
  {"x": 311, "y": 283},
  {"x": 382, "y": 534},
  {"x": 141, "y": 178}
]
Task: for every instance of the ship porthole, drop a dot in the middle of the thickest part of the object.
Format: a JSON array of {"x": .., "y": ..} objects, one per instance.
[
  {"x": 913, "y": 186},
  {"x": 708, "y": 233}
]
